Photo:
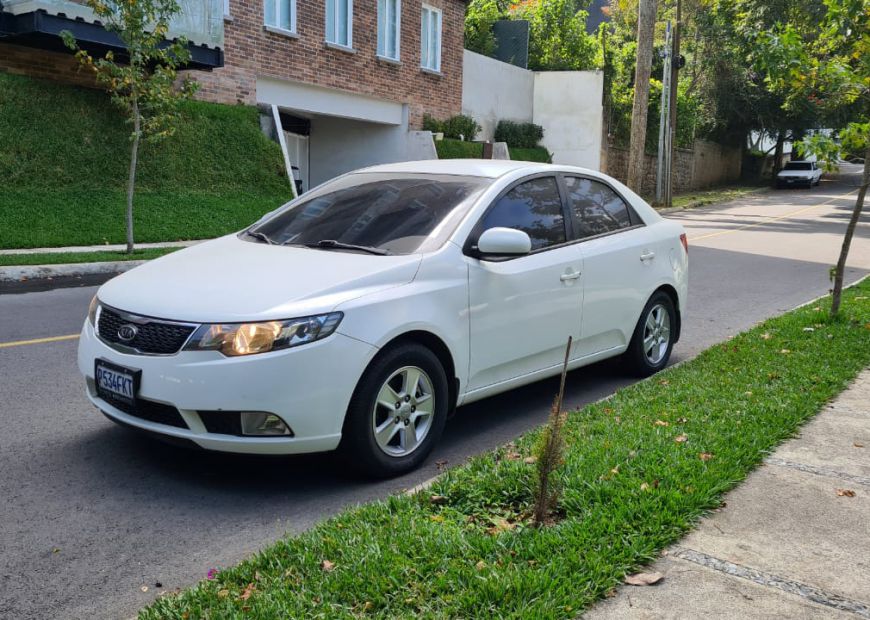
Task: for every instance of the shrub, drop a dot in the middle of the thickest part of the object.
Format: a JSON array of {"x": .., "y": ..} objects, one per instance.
[
  {"x": 519, "y": 135},
  {"x": 537, "y": 154},
  {"x": 456, "y": 127},
  {"x": 457, "y": 149}
]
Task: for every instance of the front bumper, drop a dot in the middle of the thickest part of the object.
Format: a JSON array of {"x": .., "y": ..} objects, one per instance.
[{"x": 309, "y": 387}]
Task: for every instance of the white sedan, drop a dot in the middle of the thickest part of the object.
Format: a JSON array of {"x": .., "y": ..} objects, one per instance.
[
  {"x": 799, "y": 174},
  {"x": 359, "y": 315}
]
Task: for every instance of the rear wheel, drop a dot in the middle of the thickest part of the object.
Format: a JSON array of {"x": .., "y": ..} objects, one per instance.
[
  {"x": 652, "y": 340},
  {"x": 397, "y": 412}
]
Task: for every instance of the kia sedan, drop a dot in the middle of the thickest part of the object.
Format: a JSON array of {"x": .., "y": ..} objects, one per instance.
[{"x": 358, "y": 316}]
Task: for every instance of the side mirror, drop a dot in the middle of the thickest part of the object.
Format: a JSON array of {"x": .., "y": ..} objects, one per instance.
[{"x": 503, "y": 242}]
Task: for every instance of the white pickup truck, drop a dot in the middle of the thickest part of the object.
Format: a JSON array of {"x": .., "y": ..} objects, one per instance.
[{"x": 799, "y": 174}]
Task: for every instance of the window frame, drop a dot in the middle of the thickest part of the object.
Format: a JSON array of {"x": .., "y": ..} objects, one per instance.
[
  {"x": 337, "y": 25},
  {"x": 398, "y": 11},
  {"x": 432, "y": 10},
  {"x": 469, "y": 248},
  {"x": 634, "y": 218},
  {"x": 276, "y": 26}
]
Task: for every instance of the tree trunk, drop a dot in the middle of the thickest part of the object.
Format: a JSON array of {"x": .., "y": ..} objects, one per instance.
[
  {"x": 131, "y": 182},
  {"x": 777, "y": 156},
  {"x": 675, "y": 79},
  {"x": 847, "y": 240},
  {"x": 645, "y": 26}
]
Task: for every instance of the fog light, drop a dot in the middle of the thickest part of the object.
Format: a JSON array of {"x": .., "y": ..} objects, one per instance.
[{"x": 262, "y": 423}]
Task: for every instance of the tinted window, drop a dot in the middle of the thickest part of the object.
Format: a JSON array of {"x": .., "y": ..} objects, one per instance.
[
  {"x": 798, "y": 166},
  {"x": 394, "y": 212},
  {"x": 533, "y": 207},
  {"x": 595, "y": 208}
]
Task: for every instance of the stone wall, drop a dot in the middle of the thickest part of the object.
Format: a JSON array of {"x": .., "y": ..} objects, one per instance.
[{"x": 706, "y": 165}]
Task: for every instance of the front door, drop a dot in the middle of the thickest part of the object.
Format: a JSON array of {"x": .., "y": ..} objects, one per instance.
[{"x": 523, "y": 310}]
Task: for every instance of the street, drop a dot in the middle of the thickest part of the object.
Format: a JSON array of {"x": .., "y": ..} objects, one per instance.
[{"x": 92, "y": 513}]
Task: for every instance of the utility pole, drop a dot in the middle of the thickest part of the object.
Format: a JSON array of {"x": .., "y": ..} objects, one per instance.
[
  {"x": 664, "y": 118},
  {"x": 675, "y": 65},
  {"x": 645, "y": 25}
]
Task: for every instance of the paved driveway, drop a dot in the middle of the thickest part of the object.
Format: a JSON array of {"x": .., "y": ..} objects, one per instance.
[{"x": 91, "y": 513}]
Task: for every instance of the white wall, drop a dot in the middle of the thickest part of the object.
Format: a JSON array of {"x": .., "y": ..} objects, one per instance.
[
  {"x": 493, "y": 91},
  {"x": 339, "y": 145},
  {"x": 568, "y": 105}
]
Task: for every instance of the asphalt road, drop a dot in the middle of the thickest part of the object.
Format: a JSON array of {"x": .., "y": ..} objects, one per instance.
[{"x": 90, "y": 513}]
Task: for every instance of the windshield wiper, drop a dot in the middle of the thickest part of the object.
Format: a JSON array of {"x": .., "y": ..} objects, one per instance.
[
  {"x": 260, "y": 236},
  {"x": 332, "y": 244}
]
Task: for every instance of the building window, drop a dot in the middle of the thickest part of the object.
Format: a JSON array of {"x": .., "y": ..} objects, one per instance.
[
  {"x": 430, "y": 39},
  {"x": 339, "y": 22},
  {"x": 281, "y": 14},
  {"x": 226, "y": 8},
  {"x": 389, "y": 27}
]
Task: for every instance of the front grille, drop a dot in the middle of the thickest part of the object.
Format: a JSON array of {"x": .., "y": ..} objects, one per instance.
[
  {"x": 152, "y": 336},
  {"x": 222, "y": 422},
  {"x": 148, "y": 410}
]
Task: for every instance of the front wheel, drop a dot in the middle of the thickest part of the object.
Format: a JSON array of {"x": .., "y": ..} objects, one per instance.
[
  {"x": 652, "y": 340},
  {"x": 397, "y": 412}
]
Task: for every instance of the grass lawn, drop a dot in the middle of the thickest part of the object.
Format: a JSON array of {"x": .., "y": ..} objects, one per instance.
[
  {"x": 64, "y": 153},
  {"x": 690, "y": 200},
  {"x": 58, "y": 258},
  {"x": 640, "y": 469}
]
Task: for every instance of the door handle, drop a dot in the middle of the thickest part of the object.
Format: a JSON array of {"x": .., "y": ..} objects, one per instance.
[
  {"x": 570, "y": 275},
  {"x": 647, "y": 256}
]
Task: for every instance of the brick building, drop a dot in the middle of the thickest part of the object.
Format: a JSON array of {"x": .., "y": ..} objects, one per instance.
[{"x": 352, "y": 79}]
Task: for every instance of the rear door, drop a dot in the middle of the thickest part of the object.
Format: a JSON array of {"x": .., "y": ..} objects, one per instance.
[
  {"x": 619, "y": 258},
  {"x": 523, "y": 310}
]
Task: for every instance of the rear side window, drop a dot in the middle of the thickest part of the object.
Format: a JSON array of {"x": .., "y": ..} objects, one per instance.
[
  {"x": 534, "y": 207},
  {"x": 595, "y": 208}
]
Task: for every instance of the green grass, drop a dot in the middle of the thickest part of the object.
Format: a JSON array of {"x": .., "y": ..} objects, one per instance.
[
  {"x": 537, "y": 154},
  {"x": 64, "y": 154},
  {"x": 690, "y": 200},
  {"x": 458, "y": 149},
  {"x": 60, "y": 258},
  {"x": 630, "y": 489}
]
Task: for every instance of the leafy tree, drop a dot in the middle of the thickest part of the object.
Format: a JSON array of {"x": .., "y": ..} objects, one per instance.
[
  {"x": 480, "y": 16},
  {"x": 558, "y": 40},
  {"x": 827, "y": 68},
  {"x": 141, "y": 81}
]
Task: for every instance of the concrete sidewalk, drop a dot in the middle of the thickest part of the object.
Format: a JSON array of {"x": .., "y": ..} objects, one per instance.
[{"x": 792, "y": 541}]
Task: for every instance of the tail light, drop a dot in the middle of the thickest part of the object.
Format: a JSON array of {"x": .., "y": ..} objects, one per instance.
[{"x": 685, "y": 241}]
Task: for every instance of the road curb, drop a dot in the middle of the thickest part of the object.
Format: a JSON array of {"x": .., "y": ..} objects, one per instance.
[{"x": 47, "y": 272}]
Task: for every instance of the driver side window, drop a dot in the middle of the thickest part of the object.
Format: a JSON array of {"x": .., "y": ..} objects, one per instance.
[
  {"x": 595, "y": 208},
  {"x": 534, "y": 207}
]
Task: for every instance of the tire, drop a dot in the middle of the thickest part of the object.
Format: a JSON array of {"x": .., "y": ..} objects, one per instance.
[
  {"x": 658, "y": 320},
  {"x": 402, "y": 446}
]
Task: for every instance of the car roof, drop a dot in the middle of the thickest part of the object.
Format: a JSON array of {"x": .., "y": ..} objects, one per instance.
[{"x": 491, "y": 168}]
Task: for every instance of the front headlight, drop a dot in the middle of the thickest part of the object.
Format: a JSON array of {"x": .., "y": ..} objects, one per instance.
[
  {"x": 93, "y": 311},
  {"x": 248, "y": 338}
]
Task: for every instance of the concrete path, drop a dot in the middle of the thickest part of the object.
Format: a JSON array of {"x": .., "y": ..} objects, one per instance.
[
  {"x": 793, "y": 541},
  {"x": 115, "y": 247}
]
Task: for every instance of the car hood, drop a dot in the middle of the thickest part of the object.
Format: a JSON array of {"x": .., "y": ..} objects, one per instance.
[{"x": 230, "y": 280}]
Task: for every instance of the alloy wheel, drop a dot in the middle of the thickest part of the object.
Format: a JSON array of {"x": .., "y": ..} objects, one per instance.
[
  {"x": 403, "y": 412},
  {"x": 656, "y": 334}
]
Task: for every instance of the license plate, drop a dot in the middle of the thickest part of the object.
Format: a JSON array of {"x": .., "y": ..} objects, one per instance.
[
  {"x": 790, "y": 181},
  {"x": 116, "y": 382}
]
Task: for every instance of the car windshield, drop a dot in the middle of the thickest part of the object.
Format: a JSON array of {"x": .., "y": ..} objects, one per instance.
[
  {"x": 798, "y": 166},
  {"x": 379, "y": 213}
]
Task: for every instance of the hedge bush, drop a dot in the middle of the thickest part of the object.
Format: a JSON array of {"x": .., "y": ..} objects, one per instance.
[
  {"x": 459, "y": 127},
  {"x": 458, "y": 149},
  {"x": 519, "y": 135},
  {"x": 537, "y": 154}
]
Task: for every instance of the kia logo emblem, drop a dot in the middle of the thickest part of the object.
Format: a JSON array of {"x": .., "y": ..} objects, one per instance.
[{"x": 127, "y": 332}]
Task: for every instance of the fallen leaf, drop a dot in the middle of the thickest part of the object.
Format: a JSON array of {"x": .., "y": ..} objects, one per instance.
[
  {"x": 327, "y": 565},
  {"x": 500, "y": 525},
  {"x": 144, "y": 588},
  {"x": 785, "y": 351},
  {"x": 705, "y": 456},
  {"x": 212, "y": 573},
  {"x": 682, "y": 420},
  {"x": 845, "y": 493},
  {"x": 512, "y": 456},
  {"x": 368, "y": 606},
  {"x": 480, "y": 565},
  {"x": 436, "y": 518},
  {"x": 661, "y": 423},
  {"x": 748, "y": 393},
  {"x": 223, "y": 593},
  {"x": 249, "y": 590},
  {"x": 56, "y": 550},
  {"x": 766, "y": 336},
  {"x": 610, "y": 593},
  {"x": 858, "y": 444},
  {"x": 440, "y": 464},
  {"x": 530, "y": 459},
  {"x": 681, "y": 439},
  {"x": 664, "y": 382},
  {"x": 615, "y": 470},
  {"x": 643, "y": 579},
  {"x": 438, "y": 499},
  {"x": 644, "y": 486},
  {"x": 809, "y": 329}
]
